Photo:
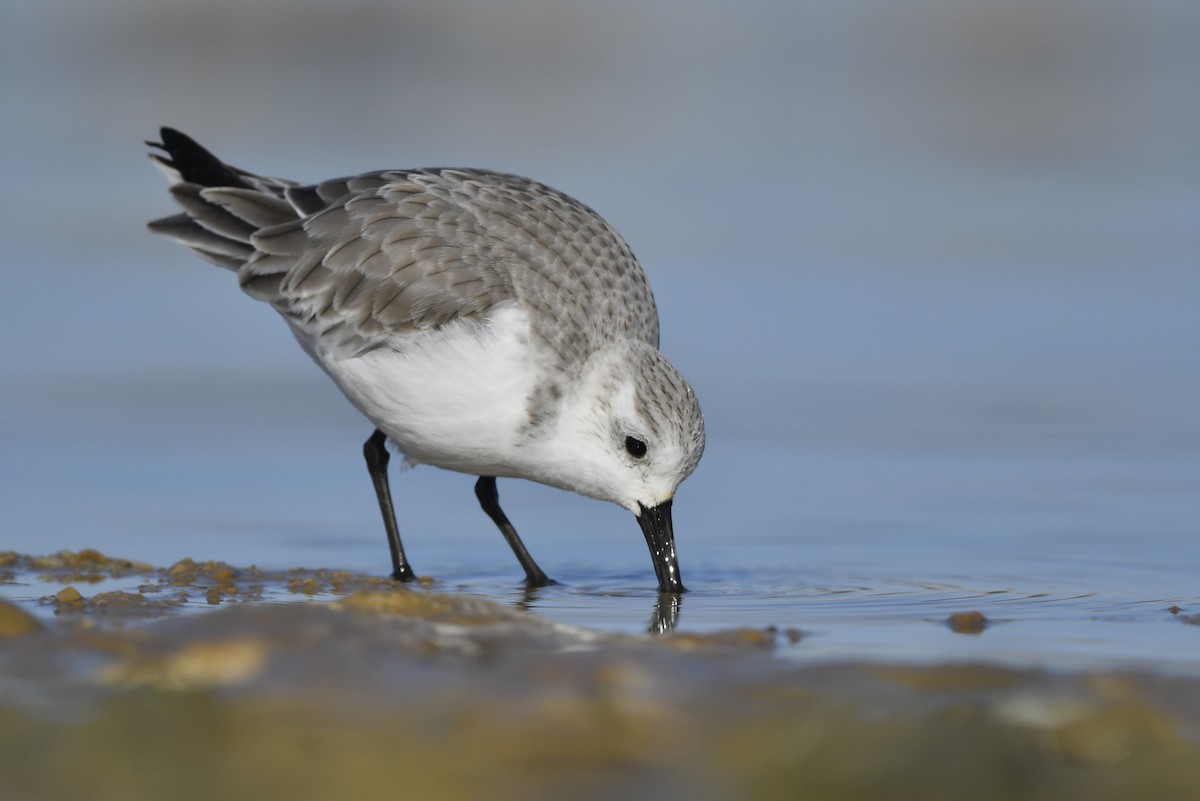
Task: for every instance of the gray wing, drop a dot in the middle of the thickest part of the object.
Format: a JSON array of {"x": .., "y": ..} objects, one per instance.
[{"x": 383, "y": 255}]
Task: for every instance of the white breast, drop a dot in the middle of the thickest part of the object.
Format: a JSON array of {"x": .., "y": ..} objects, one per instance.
[{"x": 454, "y": 398}]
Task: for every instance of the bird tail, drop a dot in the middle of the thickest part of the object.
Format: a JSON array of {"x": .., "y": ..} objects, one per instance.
[{"x": 223, "y": 207}]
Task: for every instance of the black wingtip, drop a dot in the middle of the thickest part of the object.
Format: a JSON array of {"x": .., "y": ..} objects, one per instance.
[{"x": 193, "y": 162}]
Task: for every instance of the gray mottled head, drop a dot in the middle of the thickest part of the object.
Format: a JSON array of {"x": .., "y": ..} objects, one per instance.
[{"x": 630, "y": 430}]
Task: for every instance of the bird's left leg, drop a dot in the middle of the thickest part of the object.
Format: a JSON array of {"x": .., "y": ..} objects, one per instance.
[{"x": 489, "y": 499}]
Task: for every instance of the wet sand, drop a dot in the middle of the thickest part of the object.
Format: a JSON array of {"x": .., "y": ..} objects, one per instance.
[{"x": 211, "y": 681}]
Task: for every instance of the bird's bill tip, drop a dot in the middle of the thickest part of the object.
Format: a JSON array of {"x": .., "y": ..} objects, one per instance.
[{"x": 660, "y": 537}]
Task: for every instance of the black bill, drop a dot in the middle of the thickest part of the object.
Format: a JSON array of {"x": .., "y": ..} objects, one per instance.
[{"x": 660, "y": 536}]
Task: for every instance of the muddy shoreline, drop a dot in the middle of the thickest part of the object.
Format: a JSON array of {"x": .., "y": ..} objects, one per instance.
[{"x": 357, "y": 688}]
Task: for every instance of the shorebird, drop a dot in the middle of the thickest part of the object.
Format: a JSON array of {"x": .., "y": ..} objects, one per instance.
[{"x": 483, "y": 322}]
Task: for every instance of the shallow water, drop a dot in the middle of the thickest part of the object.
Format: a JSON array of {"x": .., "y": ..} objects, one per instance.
[{"x": 865, "y": 528}]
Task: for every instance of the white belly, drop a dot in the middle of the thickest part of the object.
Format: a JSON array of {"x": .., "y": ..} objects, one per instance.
[{"x": 455, "y": 398}]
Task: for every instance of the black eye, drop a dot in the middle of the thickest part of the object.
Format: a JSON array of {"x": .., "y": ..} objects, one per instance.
[{"x": 636, "y": 448}]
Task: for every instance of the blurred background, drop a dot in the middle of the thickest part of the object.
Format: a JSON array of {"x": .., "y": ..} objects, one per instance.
[{"x": 931, "y": 266}]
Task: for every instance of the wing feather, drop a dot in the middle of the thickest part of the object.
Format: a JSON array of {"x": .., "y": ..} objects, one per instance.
[{"x": 381, "y": 256}]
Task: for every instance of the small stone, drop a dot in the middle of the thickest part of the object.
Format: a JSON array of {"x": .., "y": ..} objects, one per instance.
[
  {"x": 68, "y": 595},
  {"x": 967, "y": 622}
]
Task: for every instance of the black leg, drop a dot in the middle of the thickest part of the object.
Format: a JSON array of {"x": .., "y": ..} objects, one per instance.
[
  {"x": 375, "y": 450},
  {"x": 489, "y": 499}
]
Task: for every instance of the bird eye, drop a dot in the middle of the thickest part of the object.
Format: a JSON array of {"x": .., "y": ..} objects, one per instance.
[{"x": 636, "y": 448}]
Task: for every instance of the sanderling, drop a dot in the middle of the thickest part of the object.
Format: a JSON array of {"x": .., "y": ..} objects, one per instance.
[{"x": 483, "y": 322}]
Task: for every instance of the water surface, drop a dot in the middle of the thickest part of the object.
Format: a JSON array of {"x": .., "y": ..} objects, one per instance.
[{"x": 864, "y": 528}]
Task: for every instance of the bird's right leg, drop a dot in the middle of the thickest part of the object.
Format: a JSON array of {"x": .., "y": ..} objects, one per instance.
[{"x": 375, "y": 451}]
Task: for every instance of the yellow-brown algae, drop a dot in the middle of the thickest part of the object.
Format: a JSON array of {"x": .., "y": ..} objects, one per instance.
[
  {"x": 15, "y": 621},
  {"x": 1040, "y": 709},
  {"x": 958, "y": 678},
  {"x": 221, "y": 572},
  {"x": 198, "y": 665},
  {"x": 740, "y": 638},
  {"x": 84, "y": 565},
  {"x": 338, "y": 580},
  {"x": 307, "y": 586},
  {"x": 1080, "y": 730},
  {"x": 126, "y": 602},
  {"x": 183, "y": 571},
  {"x": 429, "y": 606}
]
